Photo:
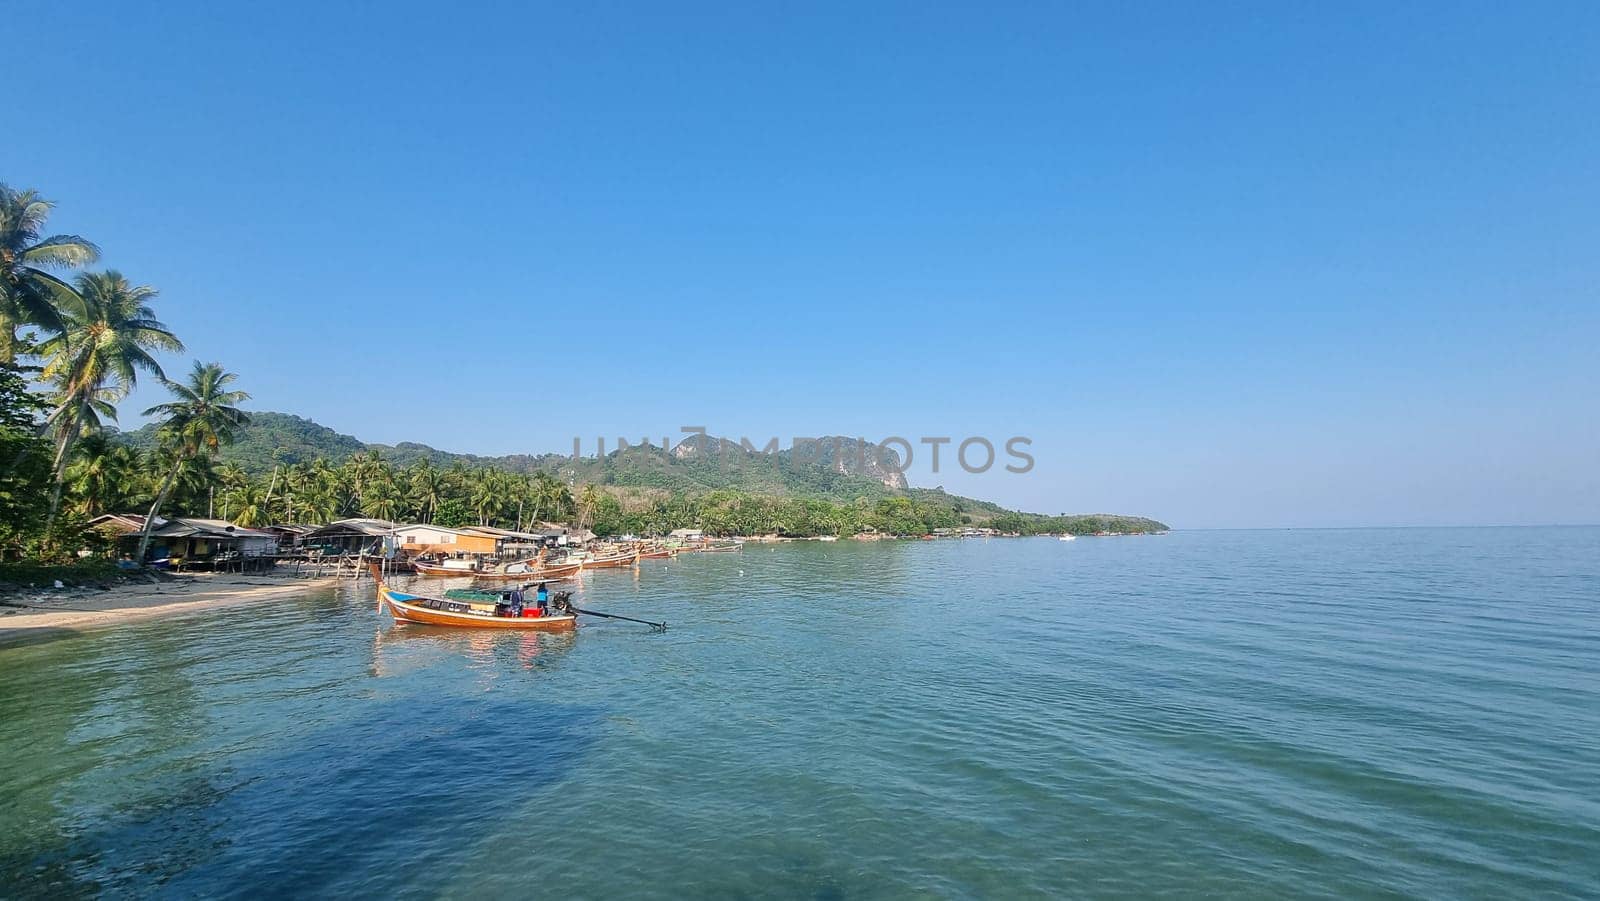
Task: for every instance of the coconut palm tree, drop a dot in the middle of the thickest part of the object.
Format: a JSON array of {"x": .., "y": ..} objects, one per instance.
[
  {"x": 488, "y": 495},
  {"x": 203, "y": 417},
  {"x": 108, "y": 334},
  {"x": 105, "y": 475},
  {"x": 29, "y": 294},
  {"x": 247, "y": 505},
  {"x": 428, "y": 488},
  {"x": 588, "y": 502}
]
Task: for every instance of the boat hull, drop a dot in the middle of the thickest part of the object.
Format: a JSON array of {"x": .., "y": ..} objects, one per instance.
[
  {"x": 542, "y": 574},
  {"x": 428, "y": 569}
]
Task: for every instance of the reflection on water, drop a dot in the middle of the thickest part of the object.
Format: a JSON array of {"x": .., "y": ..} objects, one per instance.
[
  {"x": 1235, "y": 714},
  {"x": 398, "y": 650}
]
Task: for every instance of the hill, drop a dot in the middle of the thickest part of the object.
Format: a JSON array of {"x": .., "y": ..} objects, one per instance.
[
  {"x": 833, "y": 468},
  {"x": 272, "y": 439}
]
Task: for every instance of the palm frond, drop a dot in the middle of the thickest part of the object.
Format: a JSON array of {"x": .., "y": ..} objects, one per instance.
[{"x": 68, "y": 251}]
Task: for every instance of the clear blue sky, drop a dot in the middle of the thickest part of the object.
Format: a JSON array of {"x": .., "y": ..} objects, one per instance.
[{"x": 1226, "y": 265}]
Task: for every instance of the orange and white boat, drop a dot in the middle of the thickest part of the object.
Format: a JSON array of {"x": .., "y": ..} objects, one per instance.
[
  {"x": 423, "y": 610},
  {"x": 446, "y": 568}
]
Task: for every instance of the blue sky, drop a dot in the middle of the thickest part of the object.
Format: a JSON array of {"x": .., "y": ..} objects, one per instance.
[{"x": 1225, "y": 265}]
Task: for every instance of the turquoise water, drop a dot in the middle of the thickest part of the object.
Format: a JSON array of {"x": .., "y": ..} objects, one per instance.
[{"x": 1247, "y": 714}]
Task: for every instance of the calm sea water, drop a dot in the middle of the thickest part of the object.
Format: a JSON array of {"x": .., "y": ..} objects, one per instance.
[{"x": 1247, "y": 714}]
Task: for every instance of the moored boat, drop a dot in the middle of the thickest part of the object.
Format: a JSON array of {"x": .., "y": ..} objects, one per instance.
[
  {"x": 447, "y": 568},
  {"x": 547, "y": 573},
  {"x": 501, "y": 612},
  {"x": 626, "y": 558}
]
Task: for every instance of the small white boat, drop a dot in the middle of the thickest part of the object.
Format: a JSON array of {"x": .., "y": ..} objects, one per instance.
[{"x": 1069, "y": 538}]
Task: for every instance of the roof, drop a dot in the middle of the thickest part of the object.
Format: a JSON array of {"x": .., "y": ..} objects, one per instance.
[
  {"x": 177, "y": 527},
  {"x": 358, "y": 526},
  {"x": 122, "y": 522},
  {"x": 508, "y": 533},
  {"x": 420, "y": 525},
  {"x": 297, "y": 529},
  {"x": 215, "y": 529}
]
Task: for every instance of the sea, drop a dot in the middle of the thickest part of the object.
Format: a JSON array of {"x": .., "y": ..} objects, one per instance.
[{"x": 1370, "y": 713}]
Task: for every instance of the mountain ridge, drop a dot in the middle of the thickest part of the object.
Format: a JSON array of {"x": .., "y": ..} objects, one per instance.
[{"x": 835, "y": 468}]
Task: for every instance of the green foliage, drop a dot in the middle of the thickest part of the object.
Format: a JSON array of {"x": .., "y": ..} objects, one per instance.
[
  {"x": 706, "y": 483},
  {"x": 30, "y": 295},
  {"x": 272, "y": 439},
  {"x": 24, "y": 463}
]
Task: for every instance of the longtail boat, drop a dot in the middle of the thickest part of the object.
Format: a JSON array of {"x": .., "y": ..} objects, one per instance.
[
  {"x": 467, "y": 612},
  {"x": 724, "y": 546},
  {"x": 548, "y": 573},
  {"x": 658, "y": 553},
  {"x": 461, "y": 568},
  {"x": 626, "y": 558}
]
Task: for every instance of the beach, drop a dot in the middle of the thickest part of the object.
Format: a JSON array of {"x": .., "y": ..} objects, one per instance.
[{"x": 39, "y": 612}]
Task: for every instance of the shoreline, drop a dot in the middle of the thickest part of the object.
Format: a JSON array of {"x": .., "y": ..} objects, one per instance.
[{"x": 52, "y": 613}]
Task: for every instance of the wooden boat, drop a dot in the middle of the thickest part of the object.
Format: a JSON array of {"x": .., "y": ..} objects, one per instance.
[
  {"x": 658, "y": 553},
  {"x": 724, "y": 546},
  {"x": 461, "y": 568},
  {"x": 550, "y": 572},
  {"x": 417, "y": 609},
  {"x": 626, "y": 558}
]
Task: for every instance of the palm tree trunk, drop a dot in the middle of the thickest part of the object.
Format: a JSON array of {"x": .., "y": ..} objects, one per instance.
[
  {"x": 155, "y": 507},
  {"x": 59, "y": 469}
]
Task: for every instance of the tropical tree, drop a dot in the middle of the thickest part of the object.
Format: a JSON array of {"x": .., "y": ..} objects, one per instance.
[
  {"x": 588, "y": 503},
  {"x": 23, "y": 484},
  {"x": 488, "y": 494},
  {"x": 105, "y": 475},
  {"x": 108, "y": 334},
  {"x": 29, "y": 293},
  {"x": 428, "y": 488},
  {"x": 247, "y": 506},
  {"x": 203, "y": 416}
]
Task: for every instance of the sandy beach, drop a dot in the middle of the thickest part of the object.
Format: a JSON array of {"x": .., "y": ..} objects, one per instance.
[{"x": 82, "y": 609}]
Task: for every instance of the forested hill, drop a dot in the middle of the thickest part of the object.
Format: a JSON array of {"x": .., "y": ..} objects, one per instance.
[{"x": 834, "y": 468}]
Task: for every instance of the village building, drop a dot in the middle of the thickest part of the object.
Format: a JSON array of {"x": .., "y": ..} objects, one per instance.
[
  {"x": 186, "y": 542},
  {"x": 417, "y": 539},
  {"x": 373, "y": 537},
  {"x": 290, "y": 536}
]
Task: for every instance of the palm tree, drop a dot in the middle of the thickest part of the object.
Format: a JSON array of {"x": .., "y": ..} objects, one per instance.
[
  {"x": 588, "y": 501},
  {"x": 29, "y": 295},
  {"x": 428, "y": 487},
  {"x": 105, "y": 475},
  {"x": 558, "y": 498},
  {"x": 247, "y": 505},
  {"x": 488, "y": 494},
  {"x": 203, "y": 417},
  {"x": 108, "y": 333}
]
